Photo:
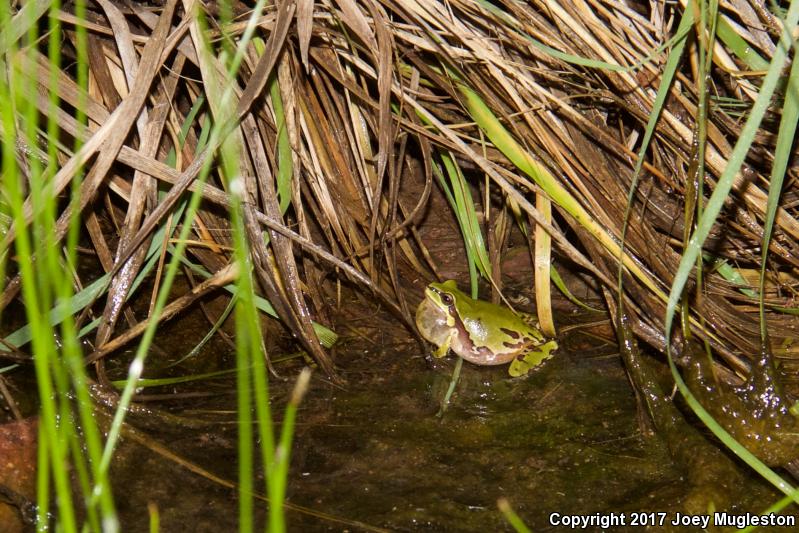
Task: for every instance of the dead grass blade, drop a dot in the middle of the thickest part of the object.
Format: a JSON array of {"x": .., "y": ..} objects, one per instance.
[{"x": 342, "y": 107}]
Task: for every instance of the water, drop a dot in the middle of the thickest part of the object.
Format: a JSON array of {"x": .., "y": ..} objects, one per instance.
[{"x": 372, "y": 454}]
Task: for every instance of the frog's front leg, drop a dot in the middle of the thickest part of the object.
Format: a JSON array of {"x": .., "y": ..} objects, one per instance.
[
  {"x": 527, "y": 361},
  {"x": 442, "y": 350}
]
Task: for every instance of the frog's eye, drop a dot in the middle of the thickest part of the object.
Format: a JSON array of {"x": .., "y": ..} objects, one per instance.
[{"x": 447, "y": 299}]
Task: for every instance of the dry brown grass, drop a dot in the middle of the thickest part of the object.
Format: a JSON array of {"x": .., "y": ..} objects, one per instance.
[{"x": 359, "y": 81}]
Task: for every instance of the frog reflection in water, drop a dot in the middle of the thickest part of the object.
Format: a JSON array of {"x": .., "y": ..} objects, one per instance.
[{"x": 481, "y": 332}]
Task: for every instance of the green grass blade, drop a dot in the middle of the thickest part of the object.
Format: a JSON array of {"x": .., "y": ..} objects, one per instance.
[
  {"x": 161, "y": 382},
  {"x": 208, "y": 336},
  {"x": 510, "y": 515},
  {"x": 457, "y": 191},
  {"x": 285, "y": 169},
  {"x": 731, "y": 274},
  {"x": 743, "y": 50},
  {"x": 326, "y": 336},
  {"x": 561, "y": 285},
  {"x": 282, "y": 454}
]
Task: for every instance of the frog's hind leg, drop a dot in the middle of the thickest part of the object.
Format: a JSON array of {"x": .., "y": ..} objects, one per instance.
[{"x": 525, "y": 362}]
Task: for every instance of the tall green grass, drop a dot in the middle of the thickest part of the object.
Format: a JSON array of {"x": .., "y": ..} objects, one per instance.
[
  {"x": 70, "y": 439},
  {"x": 69, "y": 434}
]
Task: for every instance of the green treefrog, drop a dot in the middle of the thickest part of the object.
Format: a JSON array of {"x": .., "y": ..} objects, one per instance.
[{"x": 481, "y": 332}]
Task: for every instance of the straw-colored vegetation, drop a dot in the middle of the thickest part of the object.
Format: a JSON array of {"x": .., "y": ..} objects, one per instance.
[{"x": 276, "y": 152}]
